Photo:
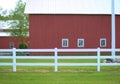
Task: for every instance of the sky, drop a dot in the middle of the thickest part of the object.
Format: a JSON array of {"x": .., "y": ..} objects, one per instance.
[{"x": 8, "y": 4}]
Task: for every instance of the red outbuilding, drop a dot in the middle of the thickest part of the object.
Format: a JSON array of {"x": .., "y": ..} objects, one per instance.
[
  {"x": 72, "y": 23},
  {"x": 6, "y": 41}
]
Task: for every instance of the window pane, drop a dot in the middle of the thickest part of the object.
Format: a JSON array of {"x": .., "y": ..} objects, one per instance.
[
  {"x": 102, "y": 42},
  {"x": 64, "y": 42},
  {"x": 11, "y": 45},
  {"x": 80, "y": 42}
]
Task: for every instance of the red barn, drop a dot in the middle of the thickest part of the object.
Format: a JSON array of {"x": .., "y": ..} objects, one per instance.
[
  {"x": 72, "y": 23},
  {"x": 6, "y": 41},
  {"x": 9, "y": 42}
]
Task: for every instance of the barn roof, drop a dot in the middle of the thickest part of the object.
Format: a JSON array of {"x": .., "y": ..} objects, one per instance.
[{"x": 71, "y": 7}]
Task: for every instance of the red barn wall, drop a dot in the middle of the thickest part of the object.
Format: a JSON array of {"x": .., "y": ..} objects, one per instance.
[
  {"x": 47, "y": 31},
  {"x": 117, "y": 31},
  {"x": 5, "y": 42}
]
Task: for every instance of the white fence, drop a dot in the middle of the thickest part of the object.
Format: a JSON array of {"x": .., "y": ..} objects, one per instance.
[{"x": 56, "y": 57}]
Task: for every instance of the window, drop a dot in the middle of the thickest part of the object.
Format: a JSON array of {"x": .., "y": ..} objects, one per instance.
[
  {"x": 103, "y": 42},
  {"x": 80, "y": 43},
  {"x": 64, "y": 42},
  {"x": 11, "y": 45}
]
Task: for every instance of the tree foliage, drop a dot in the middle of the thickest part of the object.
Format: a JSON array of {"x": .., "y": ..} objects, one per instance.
[{"x": 19, "y": 24}]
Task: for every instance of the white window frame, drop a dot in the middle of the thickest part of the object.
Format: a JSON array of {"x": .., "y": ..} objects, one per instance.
[
  {"x": 78, "y": 42},
  {"x": 67, "y": 42},
  {"x": 101, "y": 39},
  {"x": 11, "y": 45}
]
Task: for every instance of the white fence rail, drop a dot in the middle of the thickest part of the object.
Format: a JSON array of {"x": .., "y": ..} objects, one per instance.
[{"x": 56, "y": 57}]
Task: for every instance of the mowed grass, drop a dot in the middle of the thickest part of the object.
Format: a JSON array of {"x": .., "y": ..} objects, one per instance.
[{"x": 60, "y": 78}]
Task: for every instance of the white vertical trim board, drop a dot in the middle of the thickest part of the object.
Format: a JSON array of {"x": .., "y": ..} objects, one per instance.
[{"x": 113, "y": 40}]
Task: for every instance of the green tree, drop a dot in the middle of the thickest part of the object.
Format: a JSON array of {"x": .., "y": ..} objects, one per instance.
[{"x": 19, "y": 25}]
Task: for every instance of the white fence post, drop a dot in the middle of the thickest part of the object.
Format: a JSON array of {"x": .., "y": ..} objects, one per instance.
[
  {"x": 113, "y": 53},
  {"x": 98, "y": 59},
  {"x": 56, "y": 60},
  {"x": 14, "y": 59}
]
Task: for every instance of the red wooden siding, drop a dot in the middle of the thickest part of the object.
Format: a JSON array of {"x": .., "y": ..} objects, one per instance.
[
  {"x": 47, "y": 31},
  {"x": 118, "y": 32}
]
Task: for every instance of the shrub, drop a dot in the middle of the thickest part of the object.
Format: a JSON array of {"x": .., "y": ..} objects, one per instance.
[{"x": 23, "y": 45}]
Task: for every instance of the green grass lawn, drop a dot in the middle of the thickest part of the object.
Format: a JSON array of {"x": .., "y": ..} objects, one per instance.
[
  {"x": 60, "y": 78},
  {"x": 51, "y": 61}
]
